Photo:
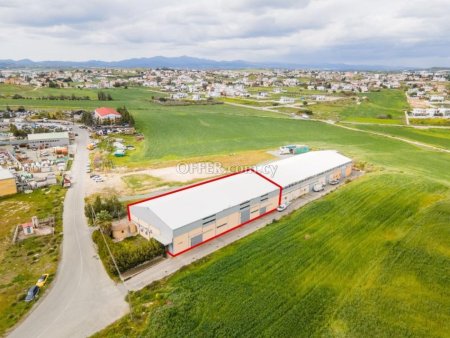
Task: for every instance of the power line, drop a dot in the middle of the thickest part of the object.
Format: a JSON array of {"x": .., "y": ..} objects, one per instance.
[{"x": 94, "y": 218}]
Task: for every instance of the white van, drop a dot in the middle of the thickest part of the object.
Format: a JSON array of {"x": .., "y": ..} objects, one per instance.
[{"x": 318, "y": 187}]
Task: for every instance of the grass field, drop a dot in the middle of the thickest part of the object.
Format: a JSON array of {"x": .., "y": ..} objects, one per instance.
[
  {"x": 384, "y": 102},
  {"x": 371, "y": 259},
  {"x": 23, "y": 263},
  {"x": 366, "y": 261},
  {"x": 436, "y": 137}
]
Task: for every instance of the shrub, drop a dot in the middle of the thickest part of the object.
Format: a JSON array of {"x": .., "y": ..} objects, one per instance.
[{"x": 128, "y": 254}]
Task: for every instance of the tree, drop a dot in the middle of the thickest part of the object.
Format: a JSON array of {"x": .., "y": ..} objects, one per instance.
[
  {"x": 87, "y": 118},
  {"x": 102, "y": 96},
  {"x": 17, "y": 132},
  {"x": 104, "y": 220},
  {"x": 126, "y": 116}
]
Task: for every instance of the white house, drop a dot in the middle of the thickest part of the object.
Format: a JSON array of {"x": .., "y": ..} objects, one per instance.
[
  {"x": 105, "y": 113},
  {"x": 285, "y": 99}
]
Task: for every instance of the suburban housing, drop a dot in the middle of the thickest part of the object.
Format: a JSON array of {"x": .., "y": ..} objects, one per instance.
[
  {"x": 105, "y": 113},
  {"x": 185, "y": 218}
]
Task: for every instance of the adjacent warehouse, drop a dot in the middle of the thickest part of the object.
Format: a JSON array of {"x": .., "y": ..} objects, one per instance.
[
  {"x": 7, "y": 183},
  {"x": 188, "y": 217},
  {"x": 60, "y": 139},
  {"x": 299, "y": 174}
]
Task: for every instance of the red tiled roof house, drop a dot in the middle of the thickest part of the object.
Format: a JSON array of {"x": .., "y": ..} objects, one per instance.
[{"x": 105, "y": 113}]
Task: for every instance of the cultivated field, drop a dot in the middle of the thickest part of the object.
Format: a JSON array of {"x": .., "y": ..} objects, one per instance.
[
  {"x": 367, "y": 260},
  {"x": 433, "y": 136},
  {"x": 371, "y": 259}
]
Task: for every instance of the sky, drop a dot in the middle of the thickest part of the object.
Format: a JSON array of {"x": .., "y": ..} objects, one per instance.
[{"x": 414, "y": 33}]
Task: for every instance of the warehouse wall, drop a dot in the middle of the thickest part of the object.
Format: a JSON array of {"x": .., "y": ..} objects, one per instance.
[
  {"x": 8, "y": 187},
  {"x": 150, "y": 225},
  {"x": 298, "y": 189},
  {"x": 214, "y": 225}
]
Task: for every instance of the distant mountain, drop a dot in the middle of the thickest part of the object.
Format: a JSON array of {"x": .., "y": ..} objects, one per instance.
[{"x": 184, "y": 62}]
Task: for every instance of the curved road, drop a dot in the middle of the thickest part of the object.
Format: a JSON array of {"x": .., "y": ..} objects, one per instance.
[{"x": 82, "y": 299}]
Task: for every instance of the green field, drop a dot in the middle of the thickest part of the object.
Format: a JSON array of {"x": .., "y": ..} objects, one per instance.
[
  {"x": 371, "y": 259},
  {"x": 366, "y": 261},
  {"x": 23, "y": 263},
  {"x": 373, "y": 105},
  {"x": 433, "y": 136}
]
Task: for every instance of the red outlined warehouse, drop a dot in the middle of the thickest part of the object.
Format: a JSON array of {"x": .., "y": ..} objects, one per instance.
[{"x": 185, "y": 218}]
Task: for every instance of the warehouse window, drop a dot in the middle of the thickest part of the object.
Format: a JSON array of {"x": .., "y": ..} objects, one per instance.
[
  {"x": 264, "y": 197},
  {"x": 206, "y": 218},
  {"x": 222, "y": 225},
  {"x": 209, "y": 221}
]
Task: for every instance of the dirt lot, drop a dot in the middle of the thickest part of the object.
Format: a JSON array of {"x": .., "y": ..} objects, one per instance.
[{"x": 128, "y": 182}]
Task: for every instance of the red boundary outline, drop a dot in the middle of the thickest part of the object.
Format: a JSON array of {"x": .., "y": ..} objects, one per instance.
[{"x": 205, "y": 182}]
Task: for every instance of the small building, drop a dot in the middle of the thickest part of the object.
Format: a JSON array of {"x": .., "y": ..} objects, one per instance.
[
  {"x": 293, "y": 149},
  {"x": 7, "y": 183},
  {"x": 45, "y": 140},
  {"x": 119, "y": 153},
  {"x": 286, "y": 100},
  {"x": 123, "y": 229},
  {"x": 28, "y": 228},
  {"x": 106, "y": 113},
  {"x": 437, "y": 98}
]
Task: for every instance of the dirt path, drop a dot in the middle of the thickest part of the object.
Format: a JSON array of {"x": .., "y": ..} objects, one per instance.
[{"x": 416, "y": 143}]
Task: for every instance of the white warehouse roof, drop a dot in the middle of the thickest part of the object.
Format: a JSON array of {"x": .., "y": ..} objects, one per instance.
[
  {"x": 5, "y": 174},
  {"x": 48, "y": 136},
  {"x": 190, "y": 205},
  {"x": 302, "y": 166}
]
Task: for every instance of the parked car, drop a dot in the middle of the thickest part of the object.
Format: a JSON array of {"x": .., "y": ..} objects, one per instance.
[
  {"x": 318, "y": 187},
  {"x": 334, "y": 182},
  {"x": 42, "y": 280},
  {"x": 32, "y": 293},
  {"x": 282, "y": 207}
]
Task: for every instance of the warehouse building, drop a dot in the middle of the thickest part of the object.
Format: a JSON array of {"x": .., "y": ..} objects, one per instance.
[
  {"x": 7, "y": 183},
  {"x": 60, "y": 139},
  {"x": 299, "y": 174},
  {"x": 187, "y": 217}
]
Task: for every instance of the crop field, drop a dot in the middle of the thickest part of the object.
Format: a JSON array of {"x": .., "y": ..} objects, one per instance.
[
  {"x": 182, "y": 136},
  {"x": 367, "y": 260},
  {"x": 23, "y": 263},
  {"x": 433, "y": 136},
  {"x": 371, "y": 259}
]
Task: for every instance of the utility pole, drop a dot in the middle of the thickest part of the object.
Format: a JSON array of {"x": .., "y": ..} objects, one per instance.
[{"x": 94, "y": 217}]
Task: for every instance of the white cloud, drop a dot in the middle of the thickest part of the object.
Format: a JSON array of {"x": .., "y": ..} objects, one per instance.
[{"x": 414, "y": 32}]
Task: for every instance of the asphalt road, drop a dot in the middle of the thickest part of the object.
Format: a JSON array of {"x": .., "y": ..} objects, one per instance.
[{"x": 82, "y": 299}]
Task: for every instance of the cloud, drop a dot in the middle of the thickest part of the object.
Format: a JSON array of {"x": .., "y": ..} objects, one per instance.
[{"x": 320, "y": 31}]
